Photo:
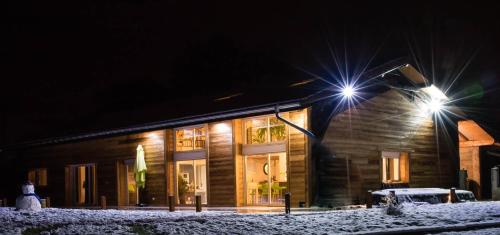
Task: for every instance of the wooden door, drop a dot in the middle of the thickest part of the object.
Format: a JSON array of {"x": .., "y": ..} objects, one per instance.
[
  {"x": 80, "y": 185},
  {"x": 127, "y": 190}
]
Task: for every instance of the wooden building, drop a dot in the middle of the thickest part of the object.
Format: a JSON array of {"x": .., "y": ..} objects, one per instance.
[
  {"x": 316, "y": 147},
  {"x": 243, "y": 161},
  {"x": 478, "y": 154}
]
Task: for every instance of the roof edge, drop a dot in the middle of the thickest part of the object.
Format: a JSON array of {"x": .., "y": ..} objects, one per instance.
[
  {"x": 170, "y": 123},
  {"x": 288, "y": 105}
]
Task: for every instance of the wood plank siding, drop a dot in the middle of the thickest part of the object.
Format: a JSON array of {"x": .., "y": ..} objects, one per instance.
[
  {"x": 239, "y": 162},
  {"x": 470, "y": 161},
  {"x": 104, "y": 153},
  {"x": 221, "y": 164},
  {"x": 298, "y": 160},
  {"x": 112, "y": 158},
  {"x": 471, "y": 139},
  {"x": 356, "y": 138},
  {"x": 170, "y": 164}
]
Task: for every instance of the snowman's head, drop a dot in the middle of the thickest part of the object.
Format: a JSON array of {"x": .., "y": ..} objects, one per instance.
[{"x": 28, "y": 188}]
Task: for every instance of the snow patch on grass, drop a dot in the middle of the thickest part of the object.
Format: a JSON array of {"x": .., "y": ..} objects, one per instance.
[{"x": 80, "y": 221}]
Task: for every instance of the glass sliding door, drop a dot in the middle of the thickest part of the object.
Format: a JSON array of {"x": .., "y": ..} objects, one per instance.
[
  {"x": 278, "y": 182},
  {"x": 200, "y": 174},
  {"x": 266, "y": 179},
  {"x": 257, "y": 180},
  {"x": 191, "y": 181}
]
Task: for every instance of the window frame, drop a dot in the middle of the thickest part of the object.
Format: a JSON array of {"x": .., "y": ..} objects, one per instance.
[
  {"x": 402, "y": 163},
  {"x": 37, "y": 176},
  {"x": 176, "y": 184},
  {"x": 268, "y": 131},
  {"x": 192, "y": 128},
  {"x": 71, "y": 169}
]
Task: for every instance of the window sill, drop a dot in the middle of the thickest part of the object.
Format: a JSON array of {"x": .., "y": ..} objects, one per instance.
[
  {"x": 190, "y": 151},
  {"x": 270, "y": 143},
  {"x": 388, "y": 185},
  {"x": 255, "y": 149},
  {"x": 190, "y": 155}
]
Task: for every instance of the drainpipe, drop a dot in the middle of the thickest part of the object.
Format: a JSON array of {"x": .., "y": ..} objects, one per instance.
[{"x": 307, "y": 132}]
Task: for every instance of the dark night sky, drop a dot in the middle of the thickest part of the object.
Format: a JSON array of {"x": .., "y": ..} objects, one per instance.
[{"x": 65, "y": 63}]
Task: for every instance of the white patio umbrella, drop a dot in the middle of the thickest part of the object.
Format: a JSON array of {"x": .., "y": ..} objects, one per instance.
[{"x": 140, "y": 170}]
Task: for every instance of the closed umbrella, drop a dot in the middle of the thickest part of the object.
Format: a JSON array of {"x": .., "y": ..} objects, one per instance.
[{"x": 140, "y": 169}]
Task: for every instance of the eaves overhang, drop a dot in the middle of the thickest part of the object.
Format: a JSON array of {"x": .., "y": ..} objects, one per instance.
[{"x": 177, "y": 122}]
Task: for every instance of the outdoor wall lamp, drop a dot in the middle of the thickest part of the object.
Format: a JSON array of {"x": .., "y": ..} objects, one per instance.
[
  {"x": 433, "y": 99},
  {"x": 348, "y": 91},
  {"x": 434, "y": 106}
]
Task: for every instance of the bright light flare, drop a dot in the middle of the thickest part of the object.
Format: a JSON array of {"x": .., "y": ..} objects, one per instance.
[
  {"x": 348, "y": 91},
  {"x": 435, "y": 106},
  {"x": 435, "y": 92}
]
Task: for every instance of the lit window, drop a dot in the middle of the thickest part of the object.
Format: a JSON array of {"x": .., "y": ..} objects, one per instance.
[
  {"x": 38, "y": 176},
  {"x": 264, "y": 130},
  {"x": 395, "y": 167},
  {"x": 189, "y": 139}
]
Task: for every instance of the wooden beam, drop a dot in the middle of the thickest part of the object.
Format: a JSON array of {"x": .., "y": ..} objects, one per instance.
[
  {"x": 474, "y": 134},
  {"x": 411, "y": 73}
]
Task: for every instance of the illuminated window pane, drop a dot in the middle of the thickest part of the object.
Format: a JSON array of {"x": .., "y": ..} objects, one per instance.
[
  {"x": 395, "y": 168},
  {"x": 190, "y": 139},
  {"x": 265, "y": 130},
  {"x": 191, "y": 181},
  {"x": 277, "y": 129},
  {"x": 199, "y": 138},
  {"x": 257, "y": 131},
  {"x": 266, "y": 179},
  {"x": 275, "y": 121},
  {"x": 38, "y": 176}
]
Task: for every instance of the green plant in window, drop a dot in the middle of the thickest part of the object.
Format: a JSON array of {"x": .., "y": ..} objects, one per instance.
[
  {"x": 260, "y": 136},
  {"x": 278, "y": 133},
  {"x": 182, "y": 188}
]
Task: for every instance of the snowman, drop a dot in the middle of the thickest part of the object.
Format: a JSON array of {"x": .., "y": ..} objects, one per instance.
[{"x": 29, "y": 201}]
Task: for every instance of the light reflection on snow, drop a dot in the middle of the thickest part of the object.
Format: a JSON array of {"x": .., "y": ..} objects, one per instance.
[{"x": 64, "y": 221}]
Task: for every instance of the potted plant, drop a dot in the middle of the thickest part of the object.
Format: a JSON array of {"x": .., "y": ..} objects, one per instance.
[{"x": 182, "y": 188}]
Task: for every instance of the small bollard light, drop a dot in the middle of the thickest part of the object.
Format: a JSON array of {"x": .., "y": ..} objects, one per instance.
[
  {"x": 369, "y": 199},
  {"x": 43, "y": 202},
  {"x": 287, "y": 202},
  {"x": 5, "y": 204},
  {"x": 47, "y": 202},
  {"x": 171, "y": 203},
  {"x": 1, "y": 203},
  {"x": 453, "y": 198},
  {"x": 198, "y": 203}
]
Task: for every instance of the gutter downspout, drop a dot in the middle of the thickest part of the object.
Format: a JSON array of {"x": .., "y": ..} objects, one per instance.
[{"x": 306, "y": 132}]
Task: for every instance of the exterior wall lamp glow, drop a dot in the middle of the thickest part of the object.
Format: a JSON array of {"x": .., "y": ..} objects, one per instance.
[
  {"x": 348, "y": 91},
  {"x": 434, "y": 99},
  {"x": 435, "y": 105}
]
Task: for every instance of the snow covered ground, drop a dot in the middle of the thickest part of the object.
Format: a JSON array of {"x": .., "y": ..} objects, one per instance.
[
  {"x": 430, "y": 195},
  {"x": 487, "y": 231},
  {"x": 70, "y": 221}
]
